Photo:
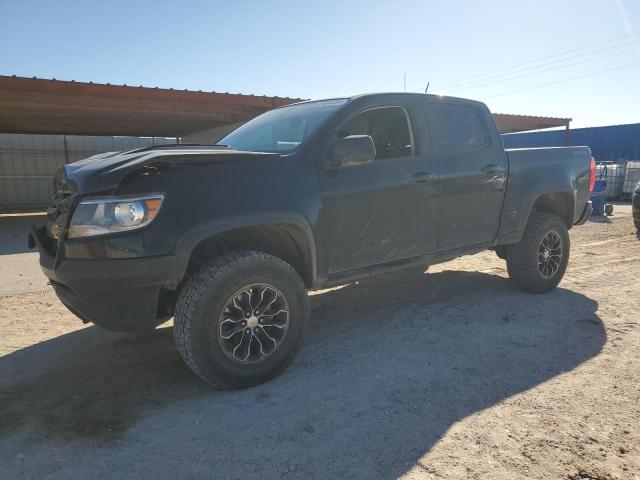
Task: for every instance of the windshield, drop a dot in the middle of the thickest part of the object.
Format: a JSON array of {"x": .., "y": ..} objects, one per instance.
[{"x": 283, "y": 129}]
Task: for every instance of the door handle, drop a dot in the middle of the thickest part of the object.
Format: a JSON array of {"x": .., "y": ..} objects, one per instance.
[
  {"x": 490, "y": 169},
  {"x": 421, "y": 177}
]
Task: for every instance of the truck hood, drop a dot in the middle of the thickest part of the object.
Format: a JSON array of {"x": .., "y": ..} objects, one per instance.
[{"x": 106, "y": 170}]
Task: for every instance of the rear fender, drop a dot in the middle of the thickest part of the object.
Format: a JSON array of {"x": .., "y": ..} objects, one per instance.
[{"x": 518, "y": 208}]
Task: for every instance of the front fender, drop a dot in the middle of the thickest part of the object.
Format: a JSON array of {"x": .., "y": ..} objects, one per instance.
[{"x": 197, "y": 234}]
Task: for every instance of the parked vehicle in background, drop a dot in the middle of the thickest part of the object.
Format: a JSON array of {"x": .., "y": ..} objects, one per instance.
[
  {"x": 229, "y": 238},
  {"x": 636, "y": 207}
]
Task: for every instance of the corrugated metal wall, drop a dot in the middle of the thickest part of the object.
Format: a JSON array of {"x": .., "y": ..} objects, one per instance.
[
  {"x": 616, "y": 143},
  {"x": 28, "y": 162}
]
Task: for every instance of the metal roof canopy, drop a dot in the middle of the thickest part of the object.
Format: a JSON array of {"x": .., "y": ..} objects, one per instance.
[
  {"x": 523, "y": 123},
  {"x": 33, "y": 105}
]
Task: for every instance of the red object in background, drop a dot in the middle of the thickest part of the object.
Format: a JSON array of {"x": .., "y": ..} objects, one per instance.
[{"x": 592, "y": 174}]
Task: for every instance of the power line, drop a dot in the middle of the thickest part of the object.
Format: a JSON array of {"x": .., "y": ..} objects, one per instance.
[
  {"x": 539, "y": 59},
  {"x": 564, "y": 80},
  {"x": 562, "y": 53},
  {"x": 559, "y": 67},
  {"x": 482, "y": 82}
]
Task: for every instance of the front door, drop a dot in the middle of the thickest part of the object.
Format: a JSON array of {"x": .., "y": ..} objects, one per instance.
[{"x": 384, "y": 210}]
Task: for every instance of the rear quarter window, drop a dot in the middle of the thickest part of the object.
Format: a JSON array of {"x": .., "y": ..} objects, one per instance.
[{"x": 455, "y": 128}]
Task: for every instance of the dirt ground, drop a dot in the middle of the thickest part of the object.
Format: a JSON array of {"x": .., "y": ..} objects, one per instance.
[{"x": 450, "y": 374}]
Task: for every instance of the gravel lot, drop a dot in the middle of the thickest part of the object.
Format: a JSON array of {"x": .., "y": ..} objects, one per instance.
[{"x": 448, "y": 374}]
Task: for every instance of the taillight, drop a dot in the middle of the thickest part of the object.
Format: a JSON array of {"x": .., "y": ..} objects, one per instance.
[{"x": 592, "y": 175}]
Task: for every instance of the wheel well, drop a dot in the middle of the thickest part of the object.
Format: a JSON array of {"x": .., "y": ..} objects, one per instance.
[
  {"x": 557, "y": 203},
  {"x": 284, "y": 241}
]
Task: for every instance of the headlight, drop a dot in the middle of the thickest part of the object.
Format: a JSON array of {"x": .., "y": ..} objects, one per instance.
[{"x": 99, "y": 216}]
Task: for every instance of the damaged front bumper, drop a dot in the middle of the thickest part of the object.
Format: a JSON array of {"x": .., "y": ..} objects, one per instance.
[{"x": 117, "y": 294}]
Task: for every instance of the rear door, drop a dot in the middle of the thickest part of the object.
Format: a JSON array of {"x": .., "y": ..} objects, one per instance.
[
  {"x": 385, "y": 210},
  {"x": 472, "y": 166}
]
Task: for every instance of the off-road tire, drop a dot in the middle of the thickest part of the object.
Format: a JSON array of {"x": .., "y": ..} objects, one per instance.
[
  {"x": 637, "y": 224},
  {"x": 522, "y": 257},
  {"x": 202, "y": 301}
]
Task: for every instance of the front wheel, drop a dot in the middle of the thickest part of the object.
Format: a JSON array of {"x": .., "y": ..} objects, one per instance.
[
  {"x": 239, "y": 320},
  {"x": 537, "y": 263}
]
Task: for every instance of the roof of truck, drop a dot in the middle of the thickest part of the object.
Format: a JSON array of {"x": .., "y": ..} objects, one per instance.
[{"x": 507, "y": 123}]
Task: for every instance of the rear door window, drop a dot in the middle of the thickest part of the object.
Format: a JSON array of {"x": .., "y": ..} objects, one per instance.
[
  {"x": 455, "y": 128},
  {"x": 388, "y": 127}
]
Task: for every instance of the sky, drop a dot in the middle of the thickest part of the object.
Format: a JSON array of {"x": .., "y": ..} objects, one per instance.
[{"x": 578, "y": 59}]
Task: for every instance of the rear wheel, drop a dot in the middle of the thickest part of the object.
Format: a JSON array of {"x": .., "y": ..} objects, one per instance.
[
  {"x": 538, "y": 262},
  {"x": 239, "y": 320}
]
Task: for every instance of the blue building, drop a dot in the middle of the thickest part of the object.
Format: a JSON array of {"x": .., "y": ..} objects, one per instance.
[{"x": 615, "y": 143}]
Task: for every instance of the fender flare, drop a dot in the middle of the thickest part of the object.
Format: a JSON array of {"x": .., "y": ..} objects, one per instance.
[
  {"x": 194, "y": 236},
  {"x": 516, "y": 211}
]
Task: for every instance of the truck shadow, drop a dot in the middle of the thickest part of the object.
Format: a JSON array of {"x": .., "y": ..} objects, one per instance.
[{"x": 388, "y": 366}]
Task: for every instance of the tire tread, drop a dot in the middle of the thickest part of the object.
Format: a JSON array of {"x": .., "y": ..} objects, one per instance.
[
  {"x": 518, "y": 256},
  {"x": 193, "y": 290}
]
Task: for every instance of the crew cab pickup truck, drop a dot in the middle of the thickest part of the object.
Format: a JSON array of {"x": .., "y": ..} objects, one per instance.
[{"x": 228, "y": 238}]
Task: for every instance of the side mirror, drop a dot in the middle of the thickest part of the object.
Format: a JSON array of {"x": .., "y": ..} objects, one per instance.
[{"x": 350, "y": 151}]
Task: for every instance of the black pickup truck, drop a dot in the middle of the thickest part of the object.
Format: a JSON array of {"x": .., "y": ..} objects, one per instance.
[{"x": 228, "y": 238}]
